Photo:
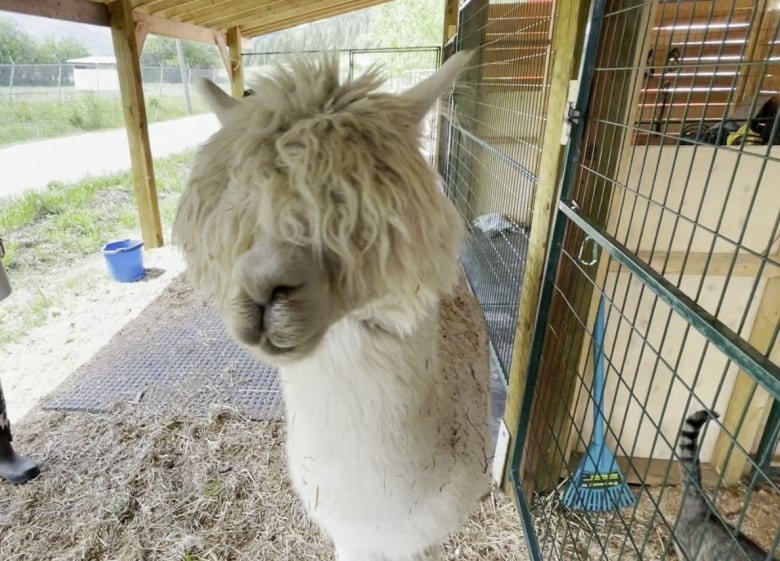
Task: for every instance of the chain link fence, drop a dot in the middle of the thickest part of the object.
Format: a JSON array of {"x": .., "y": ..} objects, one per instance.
[{"x": 48, "y": 100}]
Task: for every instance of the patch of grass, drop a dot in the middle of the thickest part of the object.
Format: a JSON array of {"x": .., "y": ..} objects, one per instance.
[
  {"x": 65, "y": 222},
  {"x": 213, "y": 488},
  {"x": 80, "y": 112}
]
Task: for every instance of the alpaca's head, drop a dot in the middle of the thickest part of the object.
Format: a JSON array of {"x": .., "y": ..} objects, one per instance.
[{"x": 313, "y": 202}]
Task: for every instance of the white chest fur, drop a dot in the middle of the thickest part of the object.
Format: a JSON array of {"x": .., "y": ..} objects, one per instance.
[{"x": 387, "y": 436}]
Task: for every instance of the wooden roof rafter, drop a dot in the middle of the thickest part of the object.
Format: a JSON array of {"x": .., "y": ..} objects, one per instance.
[
  {"x": 269, "y": 25},
  {"x": 251, "y": 17},
  {"x": 292, "y": 8}
]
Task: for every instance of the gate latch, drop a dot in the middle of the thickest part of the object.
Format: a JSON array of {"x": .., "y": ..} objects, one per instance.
[{"x": 572, "y": 115}]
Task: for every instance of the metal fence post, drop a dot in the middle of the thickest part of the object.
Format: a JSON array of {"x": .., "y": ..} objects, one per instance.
[{"x": 11, "y": 80}]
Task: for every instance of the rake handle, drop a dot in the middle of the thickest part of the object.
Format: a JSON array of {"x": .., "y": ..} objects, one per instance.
[{"x": 598, "y": 376}]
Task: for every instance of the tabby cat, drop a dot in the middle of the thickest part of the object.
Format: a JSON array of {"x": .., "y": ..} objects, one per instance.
[{"x": 700, "y": 535}]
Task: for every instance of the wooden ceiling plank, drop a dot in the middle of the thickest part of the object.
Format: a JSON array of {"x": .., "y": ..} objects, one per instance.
[
  {"x": 154, "y": 6},
  {"x": 221, "y": 16},
  {"x": 269, "y": 25},
  {"x": 79, "y": 11},
  {"x": 184, "y": 9},
  {"x": 284, "y": 11}
]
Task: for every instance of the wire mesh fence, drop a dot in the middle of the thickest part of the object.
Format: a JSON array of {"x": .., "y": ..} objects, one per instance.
[
  {"x": 669, "y": 217},
  {"x": 400, "y": 67},
  {"x": 493, "y": 148},
  {"x": 48, "y": 100}
]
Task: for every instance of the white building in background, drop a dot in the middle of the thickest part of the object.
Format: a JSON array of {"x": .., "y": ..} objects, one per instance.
[{"x": 95, "y": 73}]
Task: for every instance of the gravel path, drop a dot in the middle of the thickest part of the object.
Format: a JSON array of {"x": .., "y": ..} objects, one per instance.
[{"x": 32, "y": 165}]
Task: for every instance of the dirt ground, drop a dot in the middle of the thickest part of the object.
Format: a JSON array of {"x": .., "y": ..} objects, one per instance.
[
  {"x": 642, "y": 532},
  {"x": 150, "y": 482},
  {"x": 89, "y": 308},
  {"x": 153, "y": 483},
  {"x": 138, "y": 484}
]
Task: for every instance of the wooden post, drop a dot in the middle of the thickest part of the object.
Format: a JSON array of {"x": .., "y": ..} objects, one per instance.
[
  {"x": 757, "y": 49},
  {"x": 130, "y": 86},
  {"x": 221, "y": 40},
  {"x": 450, "y": 21},
  {"x": 745, "y": 396},
  {"x": 568, "y": 35},
  {"x": 236, "y": 66}
]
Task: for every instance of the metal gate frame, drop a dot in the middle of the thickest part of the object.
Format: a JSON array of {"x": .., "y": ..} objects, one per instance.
[{"x": 753, "y": 363}]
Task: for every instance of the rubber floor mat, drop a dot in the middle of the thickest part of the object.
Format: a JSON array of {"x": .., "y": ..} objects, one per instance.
[{"x": 175, "y": 353}]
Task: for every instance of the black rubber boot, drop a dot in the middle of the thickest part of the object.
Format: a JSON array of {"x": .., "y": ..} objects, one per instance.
[{"x": 13, "y": 467}]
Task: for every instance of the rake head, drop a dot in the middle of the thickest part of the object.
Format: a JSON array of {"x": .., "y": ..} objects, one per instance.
[{"x": 598, "y": 484}]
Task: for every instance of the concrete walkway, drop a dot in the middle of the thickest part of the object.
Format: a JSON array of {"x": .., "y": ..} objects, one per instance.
[{"x": 32, "y": 165}]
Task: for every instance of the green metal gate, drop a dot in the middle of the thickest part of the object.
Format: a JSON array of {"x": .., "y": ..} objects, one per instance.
[{"x": 674, "y": 222}]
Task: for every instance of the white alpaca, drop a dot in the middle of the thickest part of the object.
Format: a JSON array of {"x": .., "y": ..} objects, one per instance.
[{"x": 315, "y": 221}]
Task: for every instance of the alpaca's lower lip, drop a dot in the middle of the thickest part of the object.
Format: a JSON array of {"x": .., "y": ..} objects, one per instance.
[{"x": 268, "y": 346}]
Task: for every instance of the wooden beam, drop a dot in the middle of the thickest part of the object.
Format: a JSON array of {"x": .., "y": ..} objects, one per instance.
[
  {"x": 450, "y": 20},
  {"x": 269, "y": 25},
  {"x": 129, "y": 71},
  {"x": 568, "y": 36},
  {"x": 79, "y": 11},
  {"x": 747, "y": 399},
  {"x": 236, "y": 65},
  {"x": 699, "y": 263},
  {"x": 175, "y": 29},
  {"x": 756, "y": 50},
  {"x": 224, "y": 53}
]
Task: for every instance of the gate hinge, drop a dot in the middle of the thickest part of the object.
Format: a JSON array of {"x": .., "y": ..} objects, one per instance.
[{"x": 572, "y": 115}]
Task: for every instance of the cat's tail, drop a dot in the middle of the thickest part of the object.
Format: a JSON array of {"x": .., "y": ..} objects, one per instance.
[{"x": 690, "y": 466}]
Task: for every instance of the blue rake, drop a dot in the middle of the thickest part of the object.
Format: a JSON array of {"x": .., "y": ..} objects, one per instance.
[{"x": 598, "y": 484}]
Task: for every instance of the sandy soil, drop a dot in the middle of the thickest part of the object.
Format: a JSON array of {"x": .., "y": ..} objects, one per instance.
[{"x": 89, "y": 309}]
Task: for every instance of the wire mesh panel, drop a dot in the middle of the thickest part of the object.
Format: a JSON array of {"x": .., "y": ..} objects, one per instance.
[
  {"x": 494, "y": 146},
  {"x": 656, "y": 344},
  {"x": 401, "y": 68}
]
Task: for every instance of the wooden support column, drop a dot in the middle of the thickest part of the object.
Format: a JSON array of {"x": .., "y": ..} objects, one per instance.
[
  {"x": 567, "y": 43},
  {"x": 450, "y": 21},
  {"x": 236, "y": 71},
  {"x": 757, "y": 49},
  {"x": 123, "y": 32},
  {"x": 746, "y": 398}
]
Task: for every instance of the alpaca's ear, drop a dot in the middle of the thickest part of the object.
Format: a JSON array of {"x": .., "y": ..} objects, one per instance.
[
  {"x": 424, "y": 95},
  {"x": 218, "y": 101}
]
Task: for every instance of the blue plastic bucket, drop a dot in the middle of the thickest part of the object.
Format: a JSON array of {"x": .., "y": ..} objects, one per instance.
[{"x": 125, "y": 260}]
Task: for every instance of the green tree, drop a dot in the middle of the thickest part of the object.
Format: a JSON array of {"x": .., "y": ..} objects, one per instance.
[
  {"x": 161, "y": 51},
  {"x": 15, "y": 45},
  {"x": 20, "y": 47},
  {"x": 397, "y": 24},
  {"x": 52, "y": 50},
  {"x": 409, "y": 23}
]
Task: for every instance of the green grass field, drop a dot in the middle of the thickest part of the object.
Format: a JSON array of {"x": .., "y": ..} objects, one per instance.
[{"x": 33, "y": 114}]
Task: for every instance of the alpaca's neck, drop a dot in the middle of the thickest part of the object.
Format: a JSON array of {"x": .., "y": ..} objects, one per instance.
[{"x": 361, "y": 366}]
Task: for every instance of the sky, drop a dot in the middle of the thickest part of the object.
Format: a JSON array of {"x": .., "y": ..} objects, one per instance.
[{"x": 96, "y": 39}]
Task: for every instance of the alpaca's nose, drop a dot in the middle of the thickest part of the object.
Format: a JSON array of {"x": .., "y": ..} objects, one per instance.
[{"x": 259, "y": 314}]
